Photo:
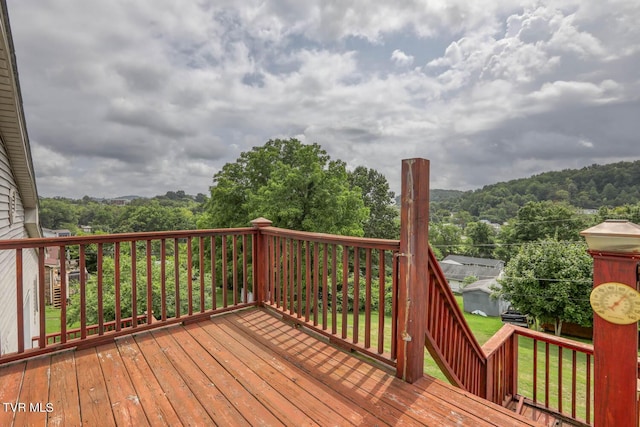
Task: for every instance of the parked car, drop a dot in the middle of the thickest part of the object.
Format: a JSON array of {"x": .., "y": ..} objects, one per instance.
[{"x": 515, "y": 318}]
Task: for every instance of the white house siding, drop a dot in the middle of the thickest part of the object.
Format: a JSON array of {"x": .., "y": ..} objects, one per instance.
[{"x": 15, "y": 230}]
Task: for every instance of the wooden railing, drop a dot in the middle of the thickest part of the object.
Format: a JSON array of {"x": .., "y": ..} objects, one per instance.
[
  {"x": 344, "y": 288},
  {"x": 159, "y": 278},
  {"x": 449, "y": 339},
  {"x": 387, "y": 299},
  {"x": 56, "y": 337},
  {"x": 560, "y": 378}
]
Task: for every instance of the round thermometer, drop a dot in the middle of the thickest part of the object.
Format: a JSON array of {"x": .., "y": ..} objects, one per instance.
[{"x": 616, "y": 303}]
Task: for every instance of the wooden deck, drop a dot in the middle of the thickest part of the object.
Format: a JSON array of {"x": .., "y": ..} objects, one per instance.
[{"x": 242, "y": 368}]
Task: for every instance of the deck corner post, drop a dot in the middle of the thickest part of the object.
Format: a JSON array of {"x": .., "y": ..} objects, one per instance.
[
  {"x": 614, "y": 246},
  {"x": 413, "y": 269},
  {"x": 261, "y": 260}
]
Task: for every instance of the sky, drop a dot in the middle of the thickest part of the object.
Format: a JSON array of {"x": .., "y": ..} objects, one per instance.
[{"x": 148, "y": 96}]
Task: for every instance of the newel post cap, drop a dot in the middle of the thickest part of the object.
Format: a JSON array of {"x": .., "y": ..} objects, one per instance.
[
  {"x": 261, "y": 222},
  {"x": 613, "y": 235}
]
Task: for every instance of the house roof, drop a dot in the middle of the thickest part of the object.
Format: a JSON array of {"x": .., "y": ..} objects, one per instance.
[
  {"x": 460, "y": 272},
  {"x": 13, "y": 129},
  {"x": 52, "y": 257},
  {"x": 469, "y": 260},
  {"x": 486, "y": 285}
]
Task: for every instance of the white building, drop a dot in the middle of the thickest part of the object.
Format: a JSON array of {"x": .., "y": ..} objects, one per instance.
[{"x": 18, "y": 202}]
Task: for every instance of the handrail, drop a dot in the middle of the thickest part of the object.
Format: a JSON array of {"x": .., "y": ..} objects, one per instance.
[
  {"x": 362, "y": 242},
  {"x": 568, "y": 367},
  {"x": 91, "y": 330},
  {"x": 339, "y": 286},
  {"x": 449, "y": 339},
  {"x": 177, "y": 276},
  {"x": 34, "y": 243},
  {"x": 451, "y": 301}
]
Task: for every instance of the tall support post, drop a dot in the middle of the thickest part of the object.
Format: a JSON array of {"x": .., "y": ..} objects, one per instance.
[
  {"x": 261, "y": 260},
  {"x": 615, "y": 248},
  {"x": 413, "y": 269}
]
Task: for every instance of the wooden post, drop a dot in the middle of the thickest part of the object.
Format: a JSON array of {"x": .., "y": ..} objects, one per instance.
[
  {"x": 615, "y": 248},
  {"x": 261, "y": 260},
  {"x": 413, "y": 269},
  {"x": 615, "y": 350}
]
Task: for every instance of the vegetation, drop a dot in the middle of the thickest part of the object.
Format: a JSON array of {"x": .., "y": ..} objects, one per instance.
[
  {"x": 172, "y": 211},
  {"x": 539, "y": 221},
  {"x": 383, "y": 221},
  {"x": 296, "y": 186},
  {"x": 591, "y": 187},
  {"x": 550, "y": 281}
]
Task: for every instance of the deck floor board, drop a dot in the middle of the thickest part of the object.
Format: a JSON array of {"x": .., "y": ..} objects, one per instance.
[
  {"x": 63, "y": 391},
  {"x": 387, "y": 397},
  {"x": 241, "y": 368},
  {"x": 153, "y": 399}
]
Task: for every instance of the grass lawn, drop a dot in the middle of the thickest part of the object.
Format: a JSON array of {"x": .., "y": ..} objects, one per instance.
[{"x": 52, "y": 315}]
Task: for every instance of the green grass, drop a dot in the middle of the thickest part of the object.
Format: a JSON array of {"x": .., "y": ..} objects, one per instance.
[
  {"x": 52, "y": 315},
  {"x": 482, "y": 327},
  {"x": 52, "y": 320}
]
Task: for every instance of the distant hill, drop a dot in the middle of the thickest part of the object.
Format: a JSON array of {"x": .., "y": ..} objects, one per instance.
[
  {"x": 591, "y": 187},
  {"x": 438, "y": 195}
]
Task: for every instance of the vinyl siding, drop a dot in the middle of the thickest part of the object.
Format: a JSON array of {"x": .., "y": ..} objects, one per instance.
[{"x": 15, "y": 230}]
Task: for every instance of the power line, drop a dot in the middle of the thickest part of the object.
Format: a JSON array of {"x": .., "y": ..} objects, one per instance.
[{"x": 532, "y": 242}]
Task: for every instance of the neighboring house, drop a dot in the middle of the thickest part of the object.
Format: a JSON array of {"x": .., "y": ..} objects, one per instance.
[
  {"x": 62, "y": 233},
  {"x": 456, "y": 268},
  {"x": 119, "y": 202},
  {"x": 52, "y": 279},
  {"x": 478, "y": 296},
  {"x": 18, "y": 200},
  {"x": 47, "y": 232}
]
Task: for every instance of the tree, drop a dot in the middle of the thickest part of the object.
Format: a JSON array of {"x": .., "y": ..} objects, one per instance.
[
  {"x": 551, "y": 282},
  {"x": 482, "y": 238},
  {"x": 541, "y": 221},
  {"x": 151, "y": 216},
  {"x": 58, "y": 213},
  {"x": 126, "y": 309},
  {"x": 383, "y": 219},
  {"x": 296, "y": 186},
  {"x": 447, "y": 238}
]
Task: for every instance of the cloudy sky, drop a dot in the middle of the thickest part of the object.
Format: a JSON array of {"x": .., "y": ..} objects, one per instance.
[{"x": 141, "y": 97}]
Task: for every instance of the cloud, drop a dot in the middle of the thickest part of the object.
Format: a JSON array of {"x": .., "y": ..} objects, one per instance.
[
  {"x": 158, "y": 95},
  {"x": 401, "y": 59}
]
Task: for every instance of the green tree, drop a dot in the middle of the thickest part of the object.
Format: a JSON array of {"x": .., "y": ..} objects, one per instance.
[
  {"x": 540, "y": 221},
  {"x": 609, "y": 193},
  {"x": 296, "y": 186},
  {"x": 126, "y": 284},
  {"x": 383, "y": 219},
  {"x": 447, "y": 238},
  {"x": 551, "y": 282},
  {"x": 481, "y": 238},
  {"x": 58, "y": 213},
  {"x": 152, "y": 216}
]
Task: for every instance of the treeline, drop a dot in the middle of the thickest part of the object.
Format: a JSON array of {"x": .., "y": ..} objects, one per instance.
[
  {"x": 591, "y": 187},
  {"x": 174, "y": 210},
  {"x": 297, "y": 186}
]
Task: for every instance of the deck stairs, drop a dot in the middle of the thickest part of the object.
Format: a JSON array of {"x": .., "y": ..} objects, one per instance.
[
  {"x": 56, "y": 298},
  {"x": 454, "y": 348}
]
